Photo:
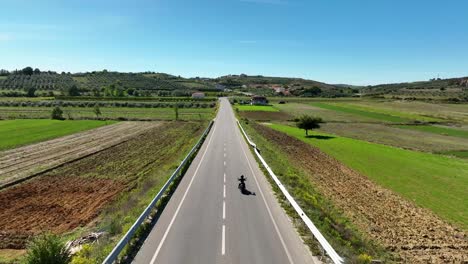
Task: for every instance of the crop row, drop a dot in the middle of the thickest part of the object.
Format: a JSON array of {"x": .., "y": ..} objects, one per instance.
[{"x": 106, "y": 104}]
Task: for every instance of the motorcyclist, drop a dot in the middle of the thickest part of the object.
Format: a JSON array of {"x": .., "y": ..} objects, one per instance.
[{"x": 242, "y": 180}]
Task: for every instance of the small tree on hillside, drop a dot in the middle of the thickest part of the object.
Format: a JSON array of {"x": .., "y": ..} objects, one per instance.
[
  {"x": 57, "y": 113},
  {"x": 97, "y": 110},
  {"x": 31, "y": 91},
  {"x": 176, "y": 110},
  {"x": 74, "y": 91},
  {"x": 307, "y": 123}
]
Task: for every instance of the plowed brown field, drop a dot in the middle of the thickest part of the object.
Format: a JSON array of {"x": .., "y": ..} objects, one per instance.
[
  {"x": 415, "y": 234},
  {"x": 74, "y": 194},
  {"x": 24, "y": 162},
  {"x": 52, "y": 203}
]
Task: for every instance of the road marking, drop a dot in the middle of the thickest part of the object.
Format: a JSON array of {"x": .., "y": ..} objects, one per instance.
[
  {"x": 224, "y": 177},
  {"x": 224, "y": 154},
  {"x": 267, "y": 207},
  {"x": 224, "y": 210},
  {"x": 224, "y": 191},
  {"x": 182, "y": 201},
  {"x": 223, "y": 242},
  {"x": 224, "y": 163}
]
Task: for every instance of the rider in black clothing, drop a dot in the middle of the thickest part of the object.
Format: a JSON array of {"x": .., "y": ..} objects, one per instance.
[{"x": 242, "y": 180}]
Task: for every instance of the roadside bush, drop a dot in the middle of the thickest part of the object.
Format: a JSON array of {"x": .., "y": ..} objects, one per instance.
[
  {"x": 47, "y": 249},
  {"x": 364, "y": 258}
]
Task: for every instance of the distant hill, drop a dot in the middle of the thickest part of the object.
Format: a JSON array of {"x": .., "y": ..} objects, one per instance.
[
  {"x": 98, "y": 82},
  {"x": 453, "y": 89},
  {"x": 265, "y": 85}
]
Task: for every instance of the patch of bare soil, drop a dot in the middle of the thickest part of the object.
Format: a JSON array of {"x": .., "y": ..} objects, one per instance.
[
  {"x": 265, "y": 116},
  {"x": 53, "y": 203},
  {"x": 24, "y": 162},
  {"x": 414, "y": 233},
  {"x": 74, "y": 194}
]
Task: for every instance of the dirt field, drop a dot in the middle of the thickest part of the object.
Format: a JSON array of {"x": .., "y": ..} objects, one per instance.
[
  {"x": 74, "y": 194},
  {"x": 24, "y": 162},
  {"x": 56, "y": 204},
  {"x": 416, "y": 234}
]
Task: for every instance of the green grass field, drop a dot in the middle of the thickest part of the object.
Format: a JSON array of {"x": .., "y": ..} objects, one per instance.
[
  {"x": 14, "y": 133},
  {"x": 432, "y": 181},
  {"x": 438, "y": 130},
  {"x": 364, "y": 113},
  {"x": 110, "y": 113},
  {"x": 257, "y": 108}
]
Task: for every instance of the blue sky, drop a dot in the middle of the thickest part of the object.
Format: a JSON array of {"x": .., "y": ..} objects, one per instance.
[{"x": 334, "y": 41}]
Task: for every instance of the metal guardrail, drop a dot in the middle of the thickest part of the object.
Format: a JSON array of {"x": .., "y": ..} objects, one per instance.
[
  {"x": 320, "y": 238},
  {"x": 112, "y": 257}
]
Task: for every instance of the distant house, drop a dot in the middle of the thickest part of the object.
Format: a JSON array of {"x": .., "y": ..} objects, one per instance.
[
  {"x": 279, "y": 89},
  {"x": 198, "y": 95},
  {"x": 258, "y": 100}
]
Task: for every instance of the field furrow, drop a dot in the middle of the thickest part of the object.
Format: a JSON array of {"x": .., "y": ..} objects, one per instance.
[{"x": 22, "y": 163}]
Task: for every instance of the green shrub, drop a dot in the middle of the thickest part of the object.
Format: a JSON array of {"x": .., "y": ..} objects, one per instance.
[
  {"x": 57, "y": 113},
  {"x": 47, "y": 249},
  {"x": 364, "y": 258}
]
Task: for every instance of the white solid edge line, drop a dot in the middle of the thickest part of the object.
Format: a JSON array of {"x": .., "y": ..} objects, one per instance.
[
  {"x": 153, "y": 259},
  {"x": 267, "y": 207},
  {"x": 223, "y": 241}
]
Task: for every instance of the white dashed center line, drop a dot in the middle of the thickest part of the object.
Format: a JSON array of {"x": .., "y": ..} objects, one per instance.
[{"x": 224, "y": 210}]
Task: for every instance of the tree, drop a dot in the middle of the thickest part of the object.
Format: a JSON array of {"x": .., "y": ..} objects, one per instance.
[
  {"x": 47, "y": 248},
  {"x": 119, "y": 92},
  {"x": 37, "y": 71},
  {"x": 73, "y": 91},
  {"x": 31, "y": 91},
  {"x": 176, "y": 110},
  {"x": 96, "y": 92},
  {"x": 57, "y": 113},
  {"x": 307, "y": 123},
  {"x": 310, "y": 92},
  {"x": 131, "y": 91},
  {"x": 97, "y": 110},
  {"x": 27, "y": 71}
]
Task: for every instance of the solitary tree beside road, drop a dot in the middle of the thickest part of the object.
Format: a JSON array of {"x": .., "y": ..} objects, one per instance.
[{"x": 307, "y": 123}]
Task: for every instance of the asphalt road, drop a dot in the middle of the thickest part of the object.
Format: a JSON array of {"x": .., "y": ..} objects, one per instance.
[{"x": 208, "y": 220}]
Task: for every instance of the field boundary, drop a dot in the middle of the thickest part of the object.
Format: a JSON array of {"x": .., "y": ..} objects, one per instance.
[
  {"x": 320, "y": 238},
  {"x": 113, "y": 256}
]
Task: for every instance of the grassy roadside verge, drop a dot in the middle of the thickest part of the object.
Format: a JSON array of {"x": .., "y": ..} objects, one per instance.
[
  {"x": 15, "y": 133},
  {"x": 432, "y": 181},
  {"x": 338, "y": 230}
]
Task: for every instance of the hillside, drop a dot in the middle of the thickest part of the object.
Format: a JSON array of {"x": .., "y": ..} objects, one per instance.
[
  {"x": 264, "y": 85},
  {"x": 97, "y": 83},
  {"x": 455, "y": 89}
]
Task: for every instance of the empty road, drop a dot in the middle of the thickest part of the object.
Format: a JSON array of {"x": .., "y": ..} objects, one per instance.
[{"x": 208, "y": 220}]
